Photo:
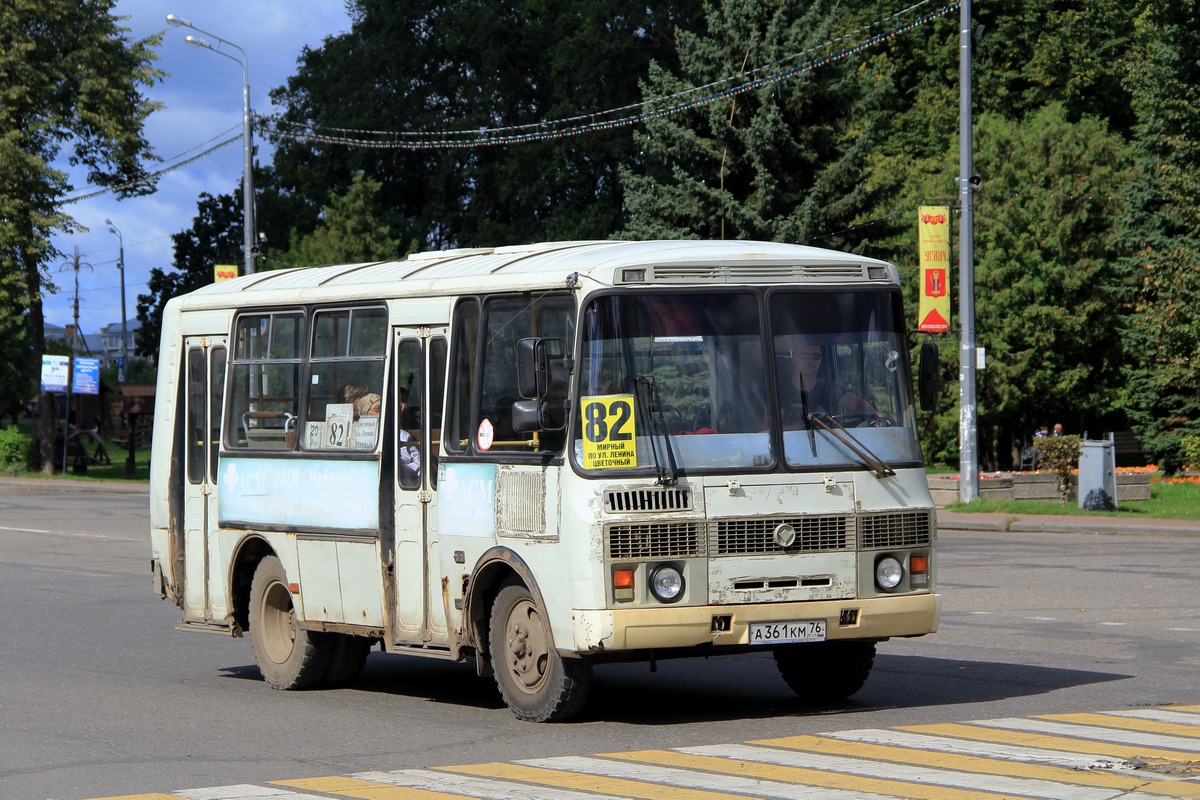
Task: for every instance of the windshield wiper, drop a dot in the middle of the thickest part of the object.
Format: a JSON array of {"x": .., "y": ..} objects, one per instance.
[
  {"x": 877, "y": 465},
  {"x": 667, "y": 476}
]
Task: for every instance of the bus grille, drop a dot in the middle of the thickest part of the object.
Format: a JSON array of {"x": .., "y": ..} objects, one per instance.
[
  {"x": 654, "y": 540},
  {"x": 656, "y": 499},
  {"x": 814, "y": 534},
  {"x": 895, "y": 529}
]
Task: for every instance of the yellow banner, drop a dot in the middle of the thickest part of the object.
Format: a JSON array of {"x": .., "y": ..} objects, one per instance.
[
  {"x": 933, "y": 236},
  {"x": 609, "y": 432},
  {"x": 223, "y": 272}
]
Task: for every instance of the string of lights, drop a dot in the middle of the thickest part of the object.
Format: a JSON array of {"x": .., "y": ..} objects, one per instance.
[{"x": 658, "y": 108}]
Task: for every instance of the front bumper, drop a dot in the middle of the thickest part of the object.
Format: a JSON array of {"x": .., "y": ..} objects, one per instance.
[{"x": 690, "y": 626}]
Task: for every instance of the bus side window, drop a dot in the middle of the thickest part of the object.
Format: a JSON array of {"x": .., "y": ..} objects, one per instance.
[{"x": 265, "y": 381}]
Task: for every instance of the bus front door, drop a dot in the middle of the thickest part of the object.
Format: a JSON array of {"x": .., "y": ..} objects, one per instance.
[
  {"x": 204, "y": 597},
  {"x": 420, "y": 373}
]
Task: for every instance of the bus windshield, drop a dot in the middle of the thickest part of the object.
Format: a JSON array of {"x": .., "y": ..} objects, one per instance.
[{"x": 741, "y": 380}]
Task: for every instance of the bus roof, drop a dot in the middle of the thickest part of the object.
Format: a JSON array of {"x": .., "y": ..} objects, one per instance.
[{"x": 546, "y": 265}]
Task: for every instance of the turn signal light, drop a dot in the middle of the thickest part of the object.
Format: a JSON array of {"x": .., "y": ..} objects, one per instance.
[
  {"x": 622, "y": 581},
  {"x": 918, "y": 570}
]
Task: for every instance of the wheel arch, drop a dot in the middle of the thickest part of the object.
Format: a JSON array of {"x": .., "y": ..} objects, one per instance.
[
  {"x": 250, "y": 551},
  {"x": 495, "y": 569}
]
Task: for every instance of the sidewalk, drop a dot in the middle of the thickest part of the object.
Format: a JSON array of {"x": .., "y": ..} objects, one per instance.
[
  {"x": 1050, "y": 523},
  {"x": 68, "y": 485}
]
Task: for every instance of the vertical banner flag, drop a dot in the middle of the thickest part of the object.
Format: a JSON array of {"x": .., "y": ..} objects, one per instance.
[
  {"x": 223, "y": 272},
  {"x": 933, "y": 236}
]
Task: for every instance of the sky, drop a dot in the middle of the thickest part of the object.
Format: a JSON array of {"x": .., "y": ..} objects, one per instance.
[{"x": 202, "y": 99}]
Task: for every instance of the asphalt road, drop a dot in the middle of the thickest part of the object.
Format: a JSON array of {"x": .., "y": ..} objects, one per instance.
[{"x": 100, "y": 695}]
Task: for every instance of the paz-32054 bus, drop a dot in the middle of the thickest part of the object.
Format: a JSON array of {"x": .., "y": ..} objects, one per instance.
[{"x": 547, "y": 457}]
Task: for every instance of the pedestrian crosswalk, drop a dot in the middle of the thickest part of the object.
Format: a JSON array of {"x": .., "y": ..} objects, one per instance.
[{"x": 1139, "y": 754}]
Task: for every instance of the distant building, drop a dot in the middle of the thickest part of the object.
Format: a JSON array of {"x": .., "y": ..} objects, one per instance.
[
  {"x": 110, "y": 340},
  {"x": 86, "y": 344}
]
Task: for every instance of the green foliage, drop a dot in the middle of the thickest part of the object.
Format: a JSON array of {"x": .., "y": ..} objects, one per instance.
[
  {"x": 70, "y": 78},
  {"x": 1060, "y": 455},
  {"x": 350, "y": 232},
  {"x": 782, "y": 163},
  {"x": 1189, "y": 445},
  {"x": 1162, "y": 272},
  {"x": 17, "y": 451}
]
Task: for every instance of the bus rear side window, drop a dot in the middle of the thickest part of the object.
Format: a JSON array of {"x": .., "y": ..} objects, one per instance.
[{"x": 265, "y": 381}]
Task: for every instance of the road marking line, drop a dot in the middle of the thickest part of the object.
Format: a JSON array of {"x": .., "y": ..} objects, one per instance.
[
  {"x": 151, "y": 796},
  {"x": 935, "y": 752},
  {"x": 244, "y": 791},
  {"x": 1011, "y": 752},
  {"x": 35, "y": 530},
  {"x": 1128, "y": 723},
  {"x": 1069, "y": 744},
  {"x": 1102, "y": 734},
  {"x": 601, "y": 783},
  {"x": 823, "y": 784},
  {"x": 907, "y": 773},
  {"x": 357, "y": 786},
  {"x": 1160, "y": 714},
  {"x": 469, "y": 786}
]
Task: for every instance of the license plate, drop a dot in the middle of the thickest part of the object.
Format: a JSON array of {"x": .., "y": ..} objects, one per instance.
[{"x": 804, "y": 630}]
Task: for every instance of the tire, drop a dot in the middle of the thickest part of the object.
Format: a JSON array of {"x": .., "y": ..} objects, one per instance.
[
  {"x": 348, "y": 656},
  {"x": 535, "y": 682},
  {"x": 827, "y": 672},
  {"x": 288, "y": 657}
]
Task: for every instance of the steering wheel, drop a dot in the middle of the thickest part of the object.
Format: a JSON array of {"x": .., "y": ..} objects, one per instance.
[{"x": 865, "y": 419}]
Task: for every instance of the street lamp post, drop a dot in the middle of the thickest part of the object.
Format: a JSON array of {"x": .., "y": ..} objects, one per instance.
[
  {"x": 123, "y": 364},
  {"x": 247, "y": 141}
]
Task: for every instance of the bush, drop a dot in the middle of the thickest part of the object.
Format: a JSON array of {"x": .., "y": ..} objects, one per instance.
[
  {"x": 1190, "y": 445},
  {"x": 1060, "y": 455},
  {"x": 16, "y": 450}
]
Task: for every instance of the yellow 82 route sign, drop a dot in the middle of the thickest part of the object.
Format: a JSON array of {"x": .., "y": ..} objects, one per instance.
[{"x": 609, "y": 432}]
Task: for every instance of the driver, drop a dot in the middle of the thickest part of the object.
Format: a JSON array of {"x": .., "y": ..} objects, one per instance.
[{"x": 824, "y": 393}]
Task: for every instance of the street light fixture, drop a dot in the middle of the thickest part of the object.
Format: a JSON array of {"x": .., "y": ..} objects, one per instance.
[
  {"x": 247, "y": 141},
  {"x": 123, "y": 364}
]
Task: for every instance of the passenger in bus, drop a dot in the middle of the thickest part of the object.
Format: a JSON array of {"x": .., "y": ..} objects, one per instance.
[
  {"x": 807, "y": 373},
  {"x": 410, "y": 457},
  {"x": 366, "y": 403}
]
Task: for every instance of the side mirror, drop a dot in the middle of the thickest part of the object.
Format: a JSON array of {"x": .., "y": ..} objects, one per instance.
[
  {"x": 530, "y": 416},
  {"x": 533, "y": 367},
  {"x": 927, "y": 377}
]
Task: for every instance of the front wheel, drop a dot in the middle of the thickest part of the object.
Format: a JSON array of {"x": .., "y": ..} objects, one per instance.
[
  {"x": 825, "y": 672},
  {"x": 535, "y": 682},
  {"x": 288, "y": 656}
]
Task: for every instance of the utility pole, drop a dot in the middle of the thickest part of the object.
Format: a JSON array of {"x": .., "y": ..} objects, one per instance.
[
  {"x": 968, "y": 466},
  {"x": 74, "y": 264}
]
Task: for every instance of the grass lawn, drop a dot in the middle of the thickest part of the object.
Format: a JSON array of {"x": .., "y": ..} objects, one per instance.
[{"x": 1169, "y": 499}]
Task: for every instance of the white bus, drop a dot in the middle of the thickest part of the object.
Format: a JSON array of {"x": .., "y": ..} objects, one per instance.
[{"x": 547, "y": 457}]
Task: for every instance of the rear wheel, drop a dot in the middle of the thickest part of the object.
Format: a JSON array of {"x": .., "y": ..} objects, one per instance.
[
  {"x": 288, "y": 656},
  {"x": 347, "y": 658},
  {"x": 826, "y": 672},
  {"x": 536, "y": 683}
]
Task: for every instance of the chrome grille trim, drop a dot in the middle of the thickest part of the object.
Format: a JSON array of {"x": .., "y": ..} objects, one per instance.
[
  {"x": 891, "y": 529},
  {"x": 763, "y": 273},
  {"x": 653, "y": 540},
  {"x": 647, "y": 499},
  {"x": 756, "y": 535}
]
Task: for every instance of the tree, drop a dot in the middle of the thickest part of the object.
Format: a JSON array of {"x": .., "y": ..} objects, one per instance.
[
  {"x": 1047, "y": 306},
  {"x": 784, "y": 162},
  {"x": 466, "y": 65},
  {"x": 350, "y": 232},
  {"x": 70, "y": 78},
  {"x": 1162, "y": 274}
]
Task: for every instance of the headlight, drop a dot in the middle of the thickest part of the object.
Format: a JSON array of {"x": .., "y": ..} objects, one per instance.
[
  {"x": 888, "y": 573},
  {"x": 666, "y": 583}
]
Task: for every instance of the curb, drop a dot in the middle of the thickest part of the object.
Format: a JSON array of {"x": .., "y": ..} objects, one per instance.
[{"x": 1002, "y": 523}]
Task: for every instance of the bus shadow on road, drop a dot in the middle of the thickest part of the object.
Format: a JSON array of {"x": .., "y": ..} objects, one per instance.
[{"x": 727, "y": 688}]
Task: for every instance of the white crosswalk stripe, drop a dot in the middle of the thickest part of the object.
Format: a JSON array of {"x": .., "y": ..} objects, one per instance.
[
  {"x": 471, "y": 786},
  {"x": 1007, "y": 752},
  {"x": 1161, "y": 741}
]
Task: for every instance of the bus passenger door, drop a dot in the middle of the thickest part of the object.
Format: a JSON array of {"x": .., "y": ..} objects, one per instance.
[
  {"x": 204, "y": 362},
  {"x": 420, "y": 376}
]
